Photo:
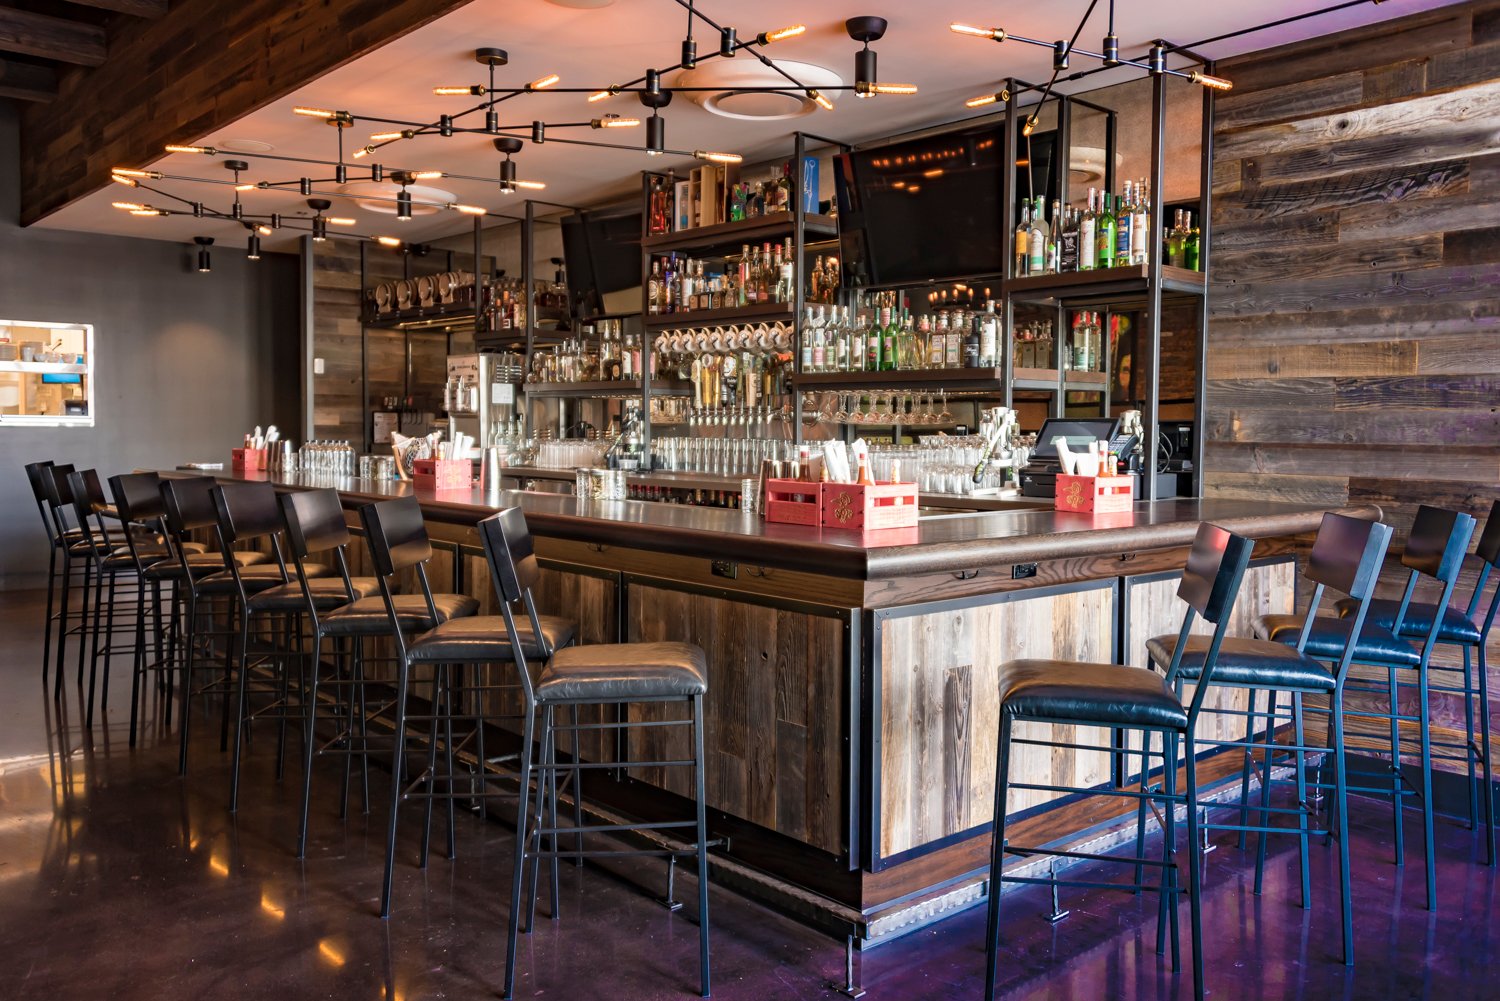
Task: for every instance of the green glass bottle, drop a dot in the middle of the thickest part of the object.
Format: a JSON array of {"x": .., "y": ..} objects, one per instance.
[{"x": 1106, "y": 236}]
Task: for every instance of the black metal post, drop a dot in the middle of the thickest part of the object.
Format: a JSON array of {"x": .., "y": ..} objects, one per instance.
[
  {"x": 1152, "y": 367},
  {"x": 1205, "y": 223},
  {"x": 1007, "y": 243}
]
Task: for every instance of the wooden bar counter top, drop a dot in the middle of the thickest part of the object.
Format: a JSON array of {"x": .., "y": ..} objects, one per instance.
[{"x": 852, "y": 713}]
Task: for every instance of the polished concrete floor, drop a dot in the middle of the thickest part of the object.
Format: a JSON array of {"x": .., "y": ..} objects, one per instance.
[{"x": 120, "y": 880}]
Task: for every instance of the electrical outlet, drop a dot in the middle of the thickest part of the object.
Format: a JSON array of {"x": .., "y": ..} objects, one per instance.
[
  {"x": 725, "y": 568},
  {"x": 317, "y": 366},
  {"x": 1023, "y": 571}
]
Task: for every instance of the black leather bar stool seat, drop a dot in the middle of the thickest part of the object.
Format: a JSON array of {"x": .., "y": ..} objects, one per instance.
[
  {"x": 257, "y": 577},
  {"x": 1329, "y": 636},
  {"x": 1245, "y": 663},
  {"x": 1456, "y": 625},
  {"x": 369, "y": 617},
  {"x": 623, "y": 671},
  {"x": 1102, "y": 693},
  {"x": 203, "y": 564},
  {"x": 482, "y": 638},
  {"x": 327, "y": 594}
]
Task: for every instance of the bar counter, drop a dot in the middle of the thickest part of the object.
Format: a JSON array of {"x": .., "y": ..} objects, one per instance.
[{"x": 852, "y": 713}]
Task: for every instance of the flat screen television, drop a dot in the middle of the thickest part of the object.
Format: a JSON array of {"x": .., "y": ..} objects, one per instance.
[
  {"x": 602, "y": 252},
  {"x": 925, "y": 210}
]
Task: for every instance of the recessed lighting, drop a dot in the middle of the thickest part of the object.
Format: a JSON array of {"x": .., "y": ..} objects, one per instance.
[
  {"x": 581, "y": 4},
  {"x": 244, "y": 146}
]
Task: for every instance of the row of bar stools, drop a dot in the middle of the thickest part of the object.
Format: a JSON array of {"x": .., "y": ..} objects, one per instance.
[
  {"x": 1346, "y": 556},
  {"x": 76, "y": 549},
  {"x": 60, "y": 538},
  {"x": 1436, "y": 544},
  {"x": 1466, "y": 628},
  {"x": 609, "y": 674},
  {"x": 1070, "y": 694}
]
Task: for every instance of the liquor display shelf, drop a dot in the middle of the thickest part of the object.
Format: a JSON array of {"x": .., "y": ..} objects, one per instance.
[
  {"x": 727, "y": 234},
  {"x": 621, "y": 388},
  {"x": 441, "y": 317},
  {"x": 1105, "y": 286},
  {"x": 44, "y": 367},
  {"x": 950, "y": 379},
  {"x": 718, "y": 317}
]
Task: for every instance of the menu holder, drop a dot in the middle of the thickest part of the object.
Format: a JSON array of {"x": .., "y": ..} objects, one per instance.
[
  {"x": 794, "y": 502},
  {"x": 1095, "y": 494},
  {"x": 869, "y": 507},
  {"x": 443, "y": 474},
  {"x": 248, "y": 459}
]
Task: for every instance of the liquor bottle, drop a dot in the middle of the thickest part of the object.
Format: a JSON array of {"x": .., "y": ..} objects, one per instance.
[
  {"x": 742, "y": 277},
  {"x": 1036, "y": 241},
  {"x": 685, "y": 285},
  {"x": 857, "y": 357},
  {"x": 807, "y": 339},
  {"x": 1087, "y": 251},
  {"x": 1140, "y": 225},
  {"x": 1105, "y": 236},
  {"x": 1054, "y": 235},
  {"x": 889, "y": 328},
  {"x": 653, "y": 289},
  {"x": 768, "y": 273},
  {"x": 875, "y": 340},
  {"x": 1123, "y": 227},
  {"x": 937, "y": 340},
  {"x": 840, "y": 340},
  {"x": 815, "y": 282},
  {"x": 787, "y": 273},
  {"x": 1192, "y": 247},
  {"x": 971, "y": 341},
  {"x": 1067, "y": 243},
  {"x": 669, "y": 285},
  {"x": 1023, "y": 229},
  {"x": 988, "y": 335},
  {"x": 820, "y": 342},
  {"x": 1176, "y": 252}
]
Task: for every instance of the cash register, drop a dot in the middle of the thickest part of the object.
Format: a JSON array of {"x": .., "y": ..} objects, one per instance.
[{"x": 1039, "y": 477}]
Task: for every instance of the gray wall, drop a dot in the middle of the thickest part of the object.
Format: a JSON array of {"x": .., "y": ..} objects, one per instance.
[{"x": 186, "y": 363}]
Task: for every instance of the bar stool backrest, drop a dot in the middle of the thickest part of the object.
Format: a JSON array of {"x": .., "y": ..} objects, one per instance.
[
  {"x": 513, "y": 568},
  {"x": 59, "y": 494},
  {"x": 1488, "y": 552},
  {"x": 137, "y": 498},
  {"x": 315, "y": 524},
  {"x": 248, "y": 512},
  {"x": 189, "y": 508},
  {"x": 35, "y": 473},
  {"x": 1346, "y": 555},
  {"x": 84, "y": 510},
  {"x": 1210, "y": 585},
  {"x": 398, "y": 541},
  {"x": 1435, "y": 548}
]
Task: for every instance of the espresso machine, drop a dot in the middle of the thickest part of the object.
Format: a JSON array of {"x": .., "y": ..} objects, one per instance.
[{"x": 477, "y": 400}]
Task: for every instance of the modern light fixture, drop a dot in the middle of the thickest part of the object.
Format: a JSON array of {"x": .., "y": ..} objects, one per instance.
[
  {"x": 867, "y": 29},
  {"x": 205, "y": 265},
  {"x": 252, "y": 250},
  {"x": 656, "y": 134},
  {"x": 781, "y": 34},
  {"x": 614, "y": 122},
  {"x": 718, "y": 157},
  {"x": 388, "y": 241},
  {"x": 206, "y": 150}
]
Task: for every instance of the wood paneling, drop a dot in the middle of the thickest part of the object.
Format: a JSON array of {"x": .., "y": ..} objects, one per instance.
[
  {"x": 223, "y": 61},
  {"x": 940, "y": 714},
  {"x": 774, "y": 714},
  {"x": 1354, "y": 333},
  {"x": 27, "y": 81}
]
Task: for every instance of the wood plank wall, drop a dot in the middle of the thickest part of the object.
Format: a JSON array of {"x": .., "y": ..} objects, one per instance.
[{"x": 1354, "y": 339}]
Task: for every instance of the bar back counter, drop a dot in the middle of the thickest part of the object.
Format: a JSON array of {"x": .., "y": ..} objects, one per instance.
[{"x": 852, "y": 713}]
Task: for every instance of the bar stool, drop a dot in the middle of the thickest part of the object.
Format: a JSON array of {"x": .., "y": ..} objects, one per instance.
[
  {"x": 1346, "y": 556},
  {"x": 75, "y": 549},
  {"x": 110, "y": 565},
  {"x": 189, "y": 506},
  {"x": 315, "y": 526},
  {"x": 1066, "y": 693},
  {"x": 1464, "y": 629},
  {"x": 249, "y": 514},
  {"x": 56, "y": 543},
  {"x": 619, "y": 674},
  {"x": 1437, "y": 543}
]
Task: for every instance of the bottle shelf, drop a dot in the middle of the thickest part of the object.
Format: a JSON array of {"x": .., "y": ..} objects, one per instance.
[
  {"x": 1046, "y": 380},
  {"x": 921, "y": 378},
  {"x": 44, "y": 367},
  {"x": 1105, "y": 286},
  {"x": 608, "y": 389},
  {"x": 719, "y": 317},
  {"x": 727, "y": 234}
]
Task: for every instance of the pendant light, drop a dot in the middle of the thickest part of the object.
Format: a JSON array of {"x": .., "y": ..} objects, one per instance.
[
  {"x": 867, "y": 29},
  {"x": 205, "y": 265}
]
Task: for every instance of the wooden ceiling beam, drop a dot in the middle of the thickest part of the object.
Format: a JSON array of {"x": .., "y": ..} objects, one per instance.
[
  {"x": 51, "y": 37},
  {"x": 182, "y": 77},
  {"x": 138, "y": 8},
  {"x": 27, "y": 81}
]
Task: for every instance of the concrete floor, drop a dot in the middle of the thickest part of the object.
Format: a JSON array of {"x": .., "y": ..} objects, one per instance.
[{"x": 120, "y": 880}]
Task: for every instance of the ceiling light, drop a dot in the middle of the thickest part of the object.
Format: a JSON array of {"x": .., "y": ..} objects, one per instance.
[
  {"x": 319, "y": 229},
  {"x": 403, "y": 205},
  {"x": 981, "y": 100},
  {"x": 600, "y": 95},
  {"x": 252, "y": 251},
  {"x": 388, "y": 241},
  {"x": 1210, "y": 81},
  {"x": 823, "y": 102},
  {"x": 208, "y": 150},
  {"x": 264, "y": 230},
  {"x": 469, "y": 209},
  {"x": 340, "y": 221},
  {"x": 384, "y": 137},
  {"x": 614, "y": 122},
  {"x": 891, "y": 88},
  {"x": 656, "y": 135},
  {"x": 363, "y": 152},
  {"x": 129, "y": 182},
  {"x": 427, "y": 175},
  {"x": 934, "y": 172},
  {"x": 127, "y": 172},
  {"x": 204, "y": 242},
  {"x": 127, "y": 206},
  {"x": 340, "y": 117},
  {"x": 246, "y": 187},
  {"x": 544, "y": 82},
  {"x": 148, "y": 210},
  {"x": 476, "y": 90},
  {"x": 728, "y": 43},
  {"x": 531, "y": 185},
  {"x": 718, "y": 157},
  {"x": 792, "y": 31},
  {"x": 998, "y": 34},
  {"x": 1029, "y": 127}
]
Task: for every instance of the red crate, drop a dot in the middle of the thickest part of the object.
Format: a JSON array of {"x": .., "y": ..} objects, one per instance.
[
  {"x": 443, "y": 474},
  {"x": 793, "y": 502},
  {"x": 869, "y": 507},
  {"x": 248, "y": 459},
  {"x": 1095, "y": 494}
]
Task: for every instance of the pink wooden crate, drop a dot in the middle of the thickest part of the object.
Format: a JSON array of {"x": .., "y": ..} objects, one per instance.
[
  {"x": 869, "y": 507},
  {"x": 443, "y": 474},
  {"x": 1095, "y": 494},
  {"x": 248, "y": 459},
  {"x": 793, "y": 502}
]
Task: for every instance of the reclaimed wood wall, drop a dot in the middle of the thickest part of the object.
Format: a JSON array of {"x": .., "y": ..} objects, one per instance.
[{"x": 1354, "y": 340}]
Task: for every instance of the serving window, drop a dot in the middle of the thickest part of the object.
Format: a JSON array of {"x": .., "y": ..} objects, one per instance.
[{"x": 46, "y": 374}]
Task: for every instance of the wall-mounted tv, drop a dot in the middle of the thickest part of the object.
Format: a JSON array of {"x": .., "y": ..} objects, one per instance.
[
  {"x": 925, "y": 210},
  {"x": 602, "y": 252}
]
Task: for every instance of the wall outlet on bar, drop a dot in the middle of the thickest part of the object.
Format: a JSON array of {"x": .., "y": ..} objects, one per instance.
[
  {"x": 1023, "y": 571},
  {"x": 725, "y": 568}
]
